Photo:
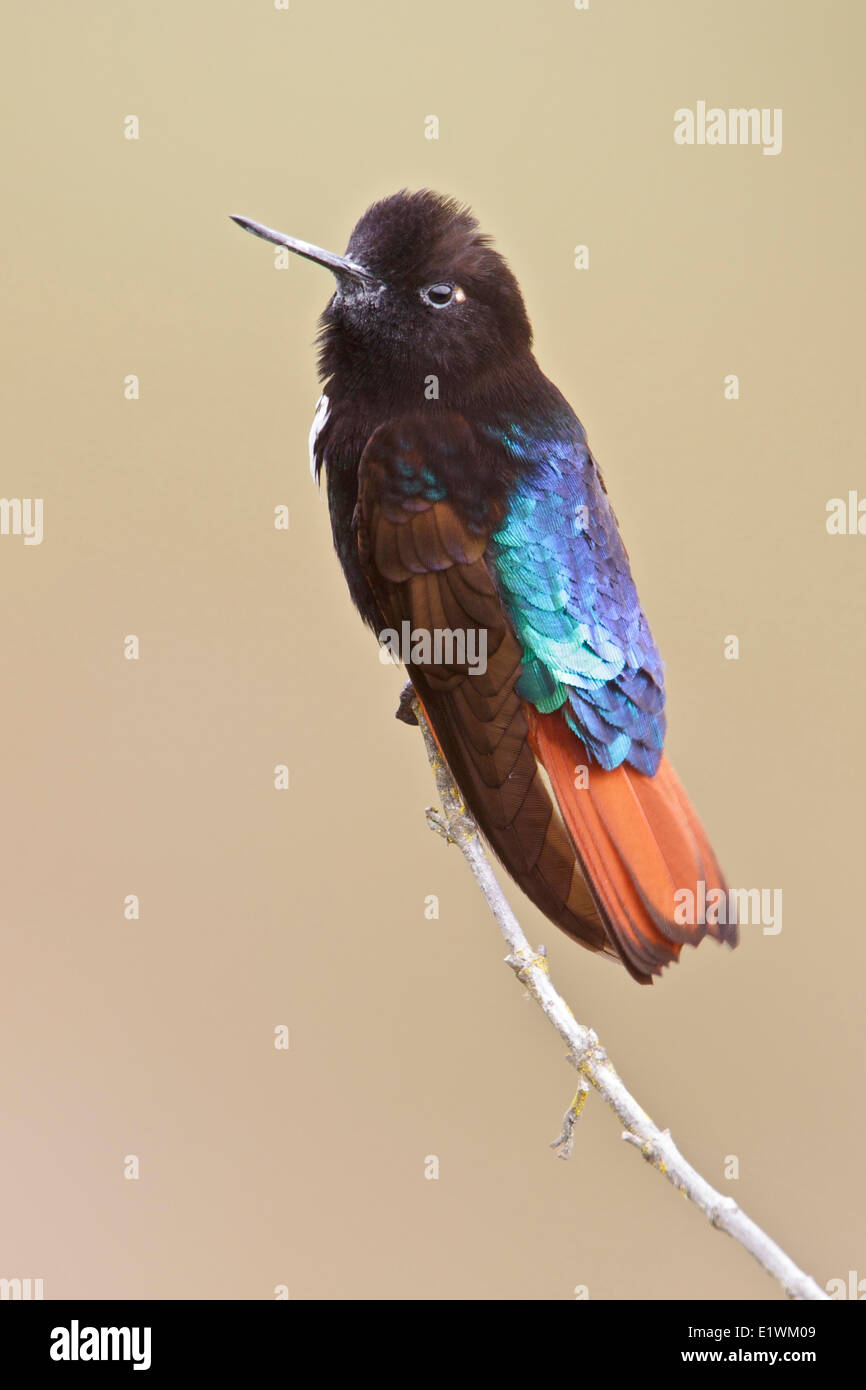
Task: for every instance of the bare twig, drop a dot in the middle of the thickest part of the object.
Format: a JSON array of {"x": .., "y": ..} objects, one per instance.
[{"x": 589, "y": 1057}]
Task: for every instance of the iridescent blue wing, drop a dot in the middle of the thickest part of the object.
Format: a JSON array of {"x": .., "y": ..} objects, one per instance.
[{"x": 567, "y": 586}]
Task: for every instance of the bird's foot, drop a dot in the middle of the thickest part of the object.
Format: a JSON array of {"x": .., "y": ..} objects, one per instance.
[{"x": 404, "y": 710}]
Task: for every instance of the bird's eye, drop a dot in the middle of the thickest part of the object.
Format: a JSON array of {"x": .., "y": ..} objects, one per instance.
[{"x": 439, "y": 294}]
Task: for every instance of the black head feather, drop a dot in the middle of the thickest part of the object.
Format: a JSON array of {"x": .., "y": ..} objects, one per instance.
[{"x": 392, "y": 333}]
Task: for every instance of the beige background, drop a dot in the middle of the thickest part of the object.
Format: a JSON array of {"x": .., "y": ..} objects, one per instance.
[{"x": 154, "y": 777}]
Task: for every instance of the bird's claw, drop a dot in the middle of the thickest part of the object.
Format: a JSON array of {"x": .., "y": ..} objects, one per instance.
[{"x": 404, "y": 711}]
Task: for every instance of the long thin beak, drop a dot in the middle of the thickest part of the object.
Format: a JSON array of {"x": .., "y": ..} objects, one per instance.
[{"x": 340, "y": 265}]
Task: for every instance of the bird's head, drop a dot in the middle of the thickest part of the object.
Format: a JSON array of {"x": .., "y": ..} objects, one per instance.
[{"x": 420, "y": 293}]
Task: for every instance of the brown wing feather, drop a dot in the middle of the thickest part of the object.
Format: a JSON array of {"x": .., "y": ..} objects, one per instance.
[{"x": 426, "y": 566}]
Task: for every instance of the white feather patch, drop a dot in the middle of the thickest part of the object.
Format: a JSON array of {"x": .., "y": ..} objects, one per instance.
[{"x": 319, "y": 419}]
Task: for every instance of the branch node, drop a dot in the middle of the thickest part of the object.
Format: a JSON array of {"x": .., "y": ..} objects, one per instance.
[
  {"x": 523, "y": 962},
  {"x": 726, "y": 1206},
  {"x": 564, "y": 1145},
  {"x": 437, "y": 822}
]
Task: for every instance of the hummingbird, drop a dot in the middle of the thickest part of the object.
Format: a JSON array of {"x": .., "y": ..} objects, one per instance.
[{"x": 465, "y": 501}]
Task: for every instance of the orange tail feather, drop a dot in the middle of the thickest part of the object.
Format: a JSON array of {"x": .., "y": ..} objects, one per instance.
[{"x": 639, "y": 843}]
